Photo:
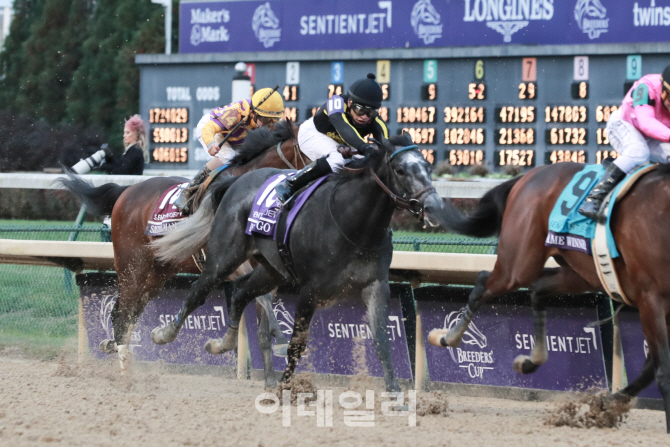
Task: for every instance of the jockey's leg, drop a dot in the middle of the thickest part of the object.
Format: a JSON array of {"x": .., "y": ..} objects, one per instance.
[
  {"x": 290, "y": 185},
  {"x": 183, "y": 202},
  {"x": 633, "y": 151}
]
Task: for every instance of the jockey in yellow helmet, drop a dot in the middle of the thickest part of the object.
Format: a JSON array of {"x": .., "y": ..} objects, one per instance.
[{"x": 265, "y": 108}]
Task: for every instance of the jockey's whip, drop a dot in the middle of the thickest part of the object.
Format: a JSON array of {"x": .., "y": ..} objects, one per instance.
[{"x": 237, "y": 126}]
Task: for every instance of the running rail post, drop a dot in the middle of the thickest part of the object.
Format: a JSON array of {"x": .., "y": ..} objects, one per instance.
[
  {"x": 618, "y": 371},
  {"x": 242, "y": 351},
  {"x": 420, "y": 362}
]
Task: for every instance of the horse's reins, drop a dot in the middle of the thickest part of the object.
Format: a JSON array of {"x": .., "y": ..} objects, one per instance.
[
  {"x": 400, "y": 202},
  {"x": 413, "y": 205}
]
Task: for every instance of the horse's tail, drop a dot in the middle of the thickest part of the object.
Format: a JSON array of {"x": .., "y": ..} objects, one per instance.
[
  {"x": 186, "y": 238},
  {"x": 486, "y": 219},
  {"x": 98, "y": 201}
]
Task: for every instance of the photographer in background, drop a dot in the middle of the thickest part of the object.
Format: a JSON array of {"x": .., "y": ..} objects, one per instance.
[{"x": 132, "y": 161}]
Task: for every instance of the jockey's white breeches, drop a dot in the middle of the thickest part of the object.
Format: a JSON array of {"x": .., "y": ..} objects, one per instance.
[
  {"x": 315, "y": 145},
  {"x": 633, "y": 147}
]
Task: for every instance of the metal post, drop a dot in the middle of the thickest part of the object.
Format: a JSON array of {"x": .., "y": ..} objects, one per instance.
[
  {"x": 242, "y": 351},
  {"x": 420, "y": 362},
  {"x": 618, "y": 368},
  {"x": 67, "y": 275}
]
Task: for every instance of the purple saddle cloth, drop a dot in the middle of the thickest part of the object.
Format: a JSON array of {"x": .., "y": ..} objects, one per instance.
[{"x": 266, "y": 208}]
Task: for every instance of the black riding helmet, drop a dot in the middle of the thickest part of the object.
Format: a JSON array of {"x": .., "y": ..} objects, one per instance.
[
  {"x": 367, "y": 92},
  {"x": 665, "y": 79}
]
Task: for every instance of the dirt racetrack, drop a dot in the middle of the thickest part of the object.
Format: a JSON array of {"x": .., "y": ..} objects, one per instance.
[{"x": 59, "y": 402}]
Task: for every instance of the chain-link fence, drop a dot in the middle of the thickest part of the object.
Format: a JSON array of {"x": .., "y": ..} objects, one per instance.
[{"x": 38, "y": 305}]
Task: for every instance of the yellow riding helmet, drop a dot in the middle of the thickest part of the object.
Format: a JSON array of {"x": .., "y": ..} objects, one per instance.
[{"x": 271, "y": 106}]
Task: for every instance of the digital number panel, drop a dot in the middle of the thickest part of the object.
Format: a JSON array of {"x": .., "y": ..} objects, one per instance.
[
  {"x": 567, "y": 135},
  {"x": 291, "y": 113},
  {"x": 422, "y": 115},
  {"x": 460, "y": 135},
  {"x": 177, "y": 115},
  {"x": 601, "y": 137},
  {"x": 511, "y": 114},
  {"x": 170, "y": 154},
  {"x": 466, "y": 157},
  {"x": 477, "y": 91},
  {"x": 291, "y": 93},
  {"x": 603, "y": 113},
  {"x": 335, "y": 89},
  {"x": 565, "y": 155},
  {"x": 602, "y": 155},
  {"x": 420, "y": 135},
  {"x": 515, "y": 157},
  {"x": 527, "y": 90},
  {"x": 169, "y": 135},
  {"x": 516, "y": 135},
  {"x": 566, "y": 114},
  {"x": 453, "y": 114}
]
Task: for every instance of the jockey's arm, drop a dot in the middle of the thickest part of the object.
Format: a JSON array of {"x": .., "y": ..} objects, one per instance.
[
  {"x": 348, "y": 132},
  {"x": 647, "y": 123},
  {"x": 380, "y": 130},
  {"x": 209, "y": 131}
]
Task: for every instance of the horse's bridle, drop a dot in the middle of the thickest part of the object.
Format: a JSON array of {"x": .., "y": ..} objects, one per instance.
[{"x": 411, "y": 204}]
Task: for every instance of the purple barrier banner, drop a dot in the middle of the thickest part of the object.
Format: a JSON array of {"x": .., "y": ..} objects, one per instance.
[
  {"x": 208, "y": 321},
  {"x": 635, "y": 351},
  {"x": 298, "y": 25},
  {"x": 340, "y": 341},
  {"x": 499, "y": 333}
]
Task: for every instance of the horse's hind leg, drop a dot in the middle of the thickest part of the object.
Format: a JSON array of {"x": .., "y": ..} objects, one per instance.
[
  {"x": 215, "y": 272},
  {"x": 265, "y": 345},
  {"x": 557, "y": 281},
  {"x": 654, "y": 317}
]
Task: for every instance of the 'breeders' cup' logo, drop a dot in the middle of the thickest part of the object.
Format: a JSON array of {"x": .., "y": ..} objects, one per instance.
[
  {"x": 201, "y": 31},
  {"x": 590, "y": 16},
  {"x": 426, "y": 21},
  {"x": 473, "y": 361},
  {"x": 266, "y": 25}
]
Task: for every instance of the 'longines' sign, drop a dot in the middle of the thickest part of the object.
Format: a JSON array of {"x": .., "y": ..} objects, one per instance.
[{"x": 295, "y": 25}]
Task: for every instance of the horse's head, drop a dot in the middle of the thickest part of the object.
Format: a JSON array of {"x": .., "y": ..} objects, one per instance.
[{"x": 408, "y": 175}]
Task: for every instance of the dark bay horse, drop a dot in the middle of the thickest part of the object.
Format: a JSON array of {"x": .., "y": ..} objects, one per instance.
[
  {"x": 519, "y": 211},
  {"x": 141, "y": 276},
  {"x": 340, "y": 243}
]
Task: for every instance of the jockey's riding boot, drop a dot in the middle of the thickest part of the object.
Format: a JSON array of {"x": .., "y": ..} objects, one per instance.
[
  {"x": 184, "y": 202},
  {"x": 591, "y": 206},
  {"x": 290, "y": 185}
]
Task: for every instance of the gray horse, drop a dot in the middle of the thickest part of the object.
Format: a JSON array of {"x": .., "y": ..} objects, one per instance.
[{"x": 340, "y": 244}]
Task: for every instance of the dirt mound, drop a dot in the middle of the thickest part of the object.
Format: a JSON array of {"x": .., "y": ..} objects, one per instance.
[
  {"x": 433, "y": 403},
  {"x": 590, "y": 410},
  {"x": 299, "y": 383}
]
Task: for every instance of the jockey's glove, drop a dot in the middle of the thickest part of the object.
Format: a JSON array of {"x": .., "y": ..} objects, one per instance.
[{"x": 367, "y": 149}]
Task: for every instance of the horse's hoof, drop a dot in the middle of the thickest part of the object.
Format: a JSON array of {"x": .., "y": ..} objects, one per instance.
[
  {"x": 523, "y": 365},
  {"x": 435, "y": 337},
  {"x": 108, "y": 346},
  {"x": 165, "y": 334},
  {"x": 214, "y": 346},
  {"x": 453, "y": 338},
  {"x": 124, "y": 358},
  {"x": 280, "y": 350}
]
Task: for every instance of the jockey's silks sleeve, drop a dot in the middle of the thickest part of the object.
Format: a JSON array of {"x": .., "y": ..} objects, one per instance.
[
  {"x": 341, "y": 122},
  {"x": 224, "y": 119},
  {"x": 643, "y": 108}
]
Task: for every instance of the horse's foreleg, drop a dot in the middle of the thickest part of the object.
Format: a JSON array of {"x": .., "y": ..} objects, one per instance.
[
  {"x": 556, "y": 281},
  {"x": 377, "y": 296},
  {"x": 281, "y": 343},
  {"x": 265, "y": 345},
  {"x": 303, "y": 317},
  {"x": 452, "y": 337},
  {"x": 653, "y": 316}
]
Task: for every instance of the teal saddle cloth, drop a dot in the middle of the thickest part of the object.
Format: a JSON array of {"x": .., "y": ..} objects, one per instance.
[{"x": 570, "y": 230}]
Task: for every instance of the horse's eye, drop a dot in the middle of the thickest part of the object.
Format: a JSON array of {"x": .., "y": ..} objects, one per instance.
[{"x": 400, "y": 171}]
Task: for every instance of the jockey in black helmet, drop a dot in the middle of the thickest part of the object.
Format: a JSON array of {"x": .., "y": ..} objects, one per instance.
[{"x": 342, "y": 120}]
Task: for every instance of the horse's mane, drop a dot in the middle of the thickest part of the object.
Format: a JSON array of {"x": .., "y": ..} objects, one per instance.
[
  {"x": 389, "y": 144},
  {"x": 260, "y": 140}
]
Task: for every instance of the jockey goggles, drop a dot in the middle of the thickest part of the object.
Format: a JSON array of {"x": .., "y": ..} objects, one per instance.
[
  {"x": 267, "y": 120},
  {"x": 361, "y": 110}
]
